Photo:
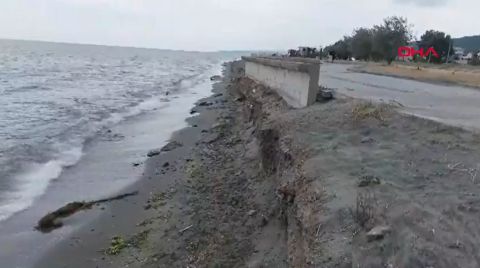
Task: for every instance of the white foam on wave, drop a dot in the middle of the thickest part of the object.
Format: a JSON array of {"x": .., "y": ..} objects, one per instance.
[
  {"x": 156, "y": 102},
  {"x": 34, "y": 181},
  {"x": 144, "y": 106}
]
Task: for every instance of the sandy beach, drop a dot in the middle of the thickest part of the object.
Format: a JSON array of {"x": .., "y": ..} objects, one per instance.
[{"x": 254, "y": 183}]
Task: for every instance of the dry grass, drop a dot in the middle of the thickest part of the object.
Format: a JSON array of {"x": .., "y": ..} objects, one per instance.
[
  {"x": 458, "y": 75},
  {"x": 193, "y": 169},
  {"x": 364, "y": 110},
  {"x": 366, "y": 209}
]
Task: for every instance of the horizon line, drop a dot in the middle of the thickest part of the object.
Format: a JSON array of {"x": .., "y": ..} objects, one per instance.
[{"x": 138, "y": 47}]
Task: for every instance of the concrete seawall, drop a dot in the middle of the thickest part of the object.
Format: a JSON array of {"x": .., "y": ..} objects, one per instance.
[{"x": 296, "y": 80}]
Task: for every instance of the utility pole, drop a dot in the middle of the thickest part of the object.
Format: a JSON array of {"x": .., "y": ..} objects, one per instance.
[{"x": 449, "y": 46}]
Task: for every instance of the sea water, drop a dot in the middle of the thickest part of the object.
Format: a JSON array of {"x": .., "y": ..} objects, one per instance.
[{"x": 56, "y": 97}]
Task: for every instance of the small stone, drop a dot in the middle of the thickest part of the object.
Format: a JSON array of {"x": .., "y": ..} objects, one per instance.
[
  {"x": 166, "y": 164},
  {"x": 368, "y": 181},
  {"x": 147, "y": 207},
  {"x": 240, "y": 99},
  {"x": 136, "y": 164},
  {"x": 263, "y": 221},
  {"x": 324, "y": 95},
  {"x": 378, "y": 232},
  {"x": 252, "y": 212},
  {"x": 216, "y": 78},
  {"x": 367, "y": 140},
  {"x": 171, "y": 146},
  {"x": 456, "y": 245},
  {"x": 154, "y": 152},
  {"x": 204, "y": 103}
]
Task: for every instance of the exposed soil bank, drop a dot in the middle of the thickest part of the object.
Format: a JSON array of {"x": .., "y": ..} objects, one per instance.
[{"x": 256, "y": 184}]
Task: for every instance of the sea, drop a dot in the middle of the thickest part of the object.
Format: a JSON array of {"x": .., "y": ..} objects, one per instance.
[{"x": 55, "y": 98}]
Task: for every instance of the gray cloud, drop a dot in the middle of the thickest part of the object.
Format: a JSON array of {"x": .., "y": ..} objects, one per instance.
[
  {"x": 423, "y": 3},
  {"x": 222, "y": 24}
]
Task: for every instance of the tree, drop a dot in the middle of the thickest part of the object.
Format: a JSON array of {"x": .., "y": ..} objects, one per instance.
[
  {"x": 341, "y": 48},
  {"x": 388, "y": 37},
  {"x": 379, "y": 43},
  {"x": 362, "y": 43},
  {"x": 439, "y": 41}
]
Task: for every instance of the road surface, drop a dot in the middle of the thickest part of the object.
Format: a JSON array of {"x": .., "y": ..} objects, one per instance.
[{"x": 453, "y": 105}]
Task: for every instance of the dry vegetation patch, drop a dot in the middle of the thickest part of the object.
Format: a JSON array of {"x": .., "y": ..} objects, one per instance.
[{"x": 365, "y": 110}]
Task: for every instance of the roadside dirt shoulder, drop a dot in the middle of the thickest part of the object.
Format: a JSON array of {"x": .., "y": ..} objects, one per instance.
[{"x": 460, "y": 75}]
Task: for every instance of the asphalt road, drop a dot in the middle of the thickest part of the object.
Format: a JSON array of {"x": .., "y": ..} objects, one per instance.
[{"x": 453, "y": 105}]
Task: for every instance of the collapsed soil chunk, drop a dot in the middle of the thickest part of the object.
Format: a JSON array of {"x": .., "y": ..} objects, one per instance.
[{"x": 52, "y": 220}]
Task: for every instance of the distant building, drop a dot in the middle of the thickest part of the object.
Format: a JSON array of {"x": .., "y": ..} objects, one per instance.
[
  {"x": 467, "y": 57},
  {"x": 463, "y": 58},
  {"x": 305, "y": 52},
  {"x": 457, "y": 54},
  {"x": 458, "y": 51}
]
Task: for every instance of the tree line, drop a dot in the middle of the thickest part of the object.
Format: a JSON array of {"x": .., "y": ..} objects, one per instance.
[{"x": 381, "y": 42}]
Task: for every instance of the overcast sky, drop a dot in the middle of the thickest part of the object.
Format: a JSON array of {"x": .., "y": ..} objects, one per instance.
[{"x": 223, "y": 24}]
